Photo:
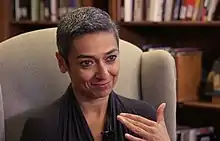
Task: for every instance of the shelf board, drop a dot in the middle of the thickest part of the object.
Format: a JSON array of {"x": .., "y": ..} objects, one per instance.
[
  {"x": 201, "y": 104},
  {"x": 35, "y": 23},
  {"x": 145, "y": 23},
  {"x": 171, "y": 23}
]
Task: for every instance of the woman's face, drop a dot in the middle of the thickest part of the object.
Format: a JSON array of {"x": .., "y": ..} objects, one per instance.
[{"x": 94, "y": 64}]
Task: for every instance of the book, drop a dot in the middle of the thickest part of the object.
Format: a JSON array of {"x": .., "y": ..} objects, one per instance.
[{"x": 185, "y": 133}]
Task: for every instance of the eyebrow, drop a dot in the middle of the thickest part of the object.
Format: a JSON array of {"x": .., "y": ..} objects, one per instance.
[{"x": 89, "y": 56}]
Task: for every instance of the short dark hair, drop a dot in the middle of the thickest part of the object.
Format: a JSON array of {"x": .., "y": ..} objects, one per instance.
[{"x": 79, "y": 22}]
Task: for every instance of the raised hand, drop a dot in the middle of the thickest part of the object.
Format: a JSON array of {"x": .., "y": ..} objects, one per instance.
[{"x": 147, "y": 129}]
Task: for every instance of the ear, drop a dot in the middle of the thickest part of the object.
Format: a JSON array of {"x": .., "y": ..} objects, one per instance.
[{"x": 61, "y": 63}]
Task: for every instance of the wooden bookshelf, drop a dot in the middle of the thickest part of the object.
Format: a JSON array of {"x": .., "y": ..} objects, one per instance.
[
  {"x": 31, "y": 23},
  {"x": 201, "y": 104},
  {"x": 10, "y": 27},
  {"x": 143, "y": 24},
  {"x": 5, "y": 17},
  {"x": 172, "y": 23}
]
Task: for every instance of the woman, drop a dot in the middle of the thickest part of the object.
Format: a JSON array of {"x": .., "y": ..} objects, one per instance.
[{"x": 88, "y": 50}]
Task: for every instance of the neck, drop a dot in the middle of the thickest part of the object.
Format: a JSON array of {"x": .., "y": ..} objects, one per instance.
[{"x": 96, "y": 107}]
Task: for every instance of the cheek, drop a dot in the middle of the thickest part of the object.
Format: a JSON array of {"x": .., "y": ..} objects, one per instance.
[
  {"x": 86, "y": 75},
  {"x": 114, "y": 70}
]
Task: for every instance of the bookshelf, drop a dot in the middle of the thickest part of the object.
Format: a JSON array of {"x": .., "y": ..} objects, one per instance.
[
  {"x": 4, "y": 18},
  {"x": 10, "y": 27},
  {"x": 178, "y": 33},
  {"x": 30, "y": 23},
  {"x": 172, "y": 23},
  {"x": 201, "y": 104}
]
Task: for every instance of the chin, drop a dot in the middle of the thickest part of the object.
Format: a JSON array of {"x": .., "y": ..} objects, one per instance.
[{"x": 101, "y": 93}]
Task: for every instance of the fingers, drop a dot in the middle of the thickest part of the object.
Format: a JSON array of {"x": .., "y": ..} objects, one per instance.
[
  {"x": 133, "y": 138},
  {"x": 160, "y": 113},
  {"x": 145, "y": 128},
  {"x": 139, "y": 119},
  {"x": 134, "y": 126},
  {"x": 150, "y": 129}
]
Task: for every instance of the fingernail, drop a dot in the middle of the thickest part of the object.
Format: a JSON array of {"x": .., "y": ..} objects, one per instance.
[
  {"x": 164, "y": 105},
  {"x": 127, "y": 135},
  {"x": 119, "y": 117}
]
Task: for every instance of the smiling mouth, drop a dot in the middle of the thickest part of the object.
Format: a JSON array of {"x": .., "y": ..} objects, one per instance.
[{"x": 101, "y": 84}]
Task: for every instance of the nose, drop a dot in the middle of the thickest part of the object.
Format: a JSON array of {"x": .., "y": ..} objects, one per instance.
[{"x": 102, "y": 71}]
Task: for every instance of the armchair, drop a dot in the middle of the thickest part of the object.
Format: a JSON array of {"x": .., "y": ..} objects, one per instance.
[{"x": 30, "y": 78}]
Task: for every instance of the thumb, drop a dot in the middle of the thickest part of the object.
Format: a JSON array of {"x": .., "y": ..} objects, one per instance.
[{"x": 160, "y": 113}]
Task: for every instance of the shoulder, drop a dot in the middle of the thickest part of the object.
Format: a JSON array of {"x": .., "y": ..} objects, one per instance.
[
  {"x": 48, "y": 113},
  {"x": 41, "y": 125},
  {"x": 34, "y": 130},
  {"x": 137, "y": 107}
]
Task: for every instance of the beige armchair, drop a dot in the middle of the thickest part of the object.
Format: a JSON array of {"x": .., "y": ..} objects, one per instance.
[{"x": 30, "y": 78}]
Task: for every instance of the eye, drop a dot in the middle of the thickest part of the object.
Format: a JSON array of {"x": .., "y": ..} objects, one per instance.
[
  {"x": 111, "y": 58},
  {"x": 86, "y": 63}
]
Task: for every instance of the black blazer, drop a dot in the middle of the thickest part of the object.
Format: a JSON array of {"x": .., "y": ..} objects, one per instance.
[{"x": 64, "y": 121}]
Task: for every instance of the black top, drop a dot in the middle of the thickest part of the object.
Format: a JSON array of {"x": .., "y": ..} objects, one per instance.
[{"x": 64, "y": 120}]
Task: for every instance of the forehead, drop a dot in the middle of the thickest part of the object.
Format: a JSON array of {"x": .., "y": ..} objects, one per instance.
[{"x": 94, "y": 43}]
